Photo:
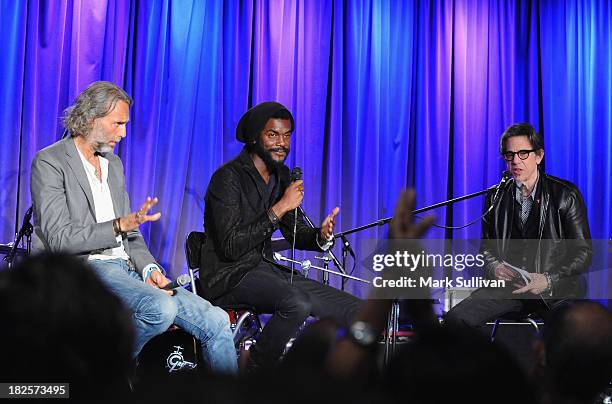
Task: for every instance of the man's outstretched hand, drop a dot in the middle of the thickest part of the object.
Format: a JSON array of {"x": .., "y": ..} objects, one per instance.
[
  {"x": 327, "y": 228},
  {"x": 135, "y": 219}
]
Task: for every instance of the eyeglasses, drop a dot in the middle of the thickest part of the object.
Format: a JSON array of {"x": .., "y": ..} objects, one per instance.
[{"x": 523, "y": 154}]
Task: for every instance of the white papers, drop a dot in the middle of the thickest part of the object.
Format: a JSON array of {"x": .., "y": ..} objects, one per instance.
[{"x": 524, "y": 274}]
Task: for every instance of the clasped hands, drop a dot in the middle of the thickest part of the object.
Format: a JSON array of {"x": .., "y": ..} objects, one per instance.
[{"x": 538, "y": 283}]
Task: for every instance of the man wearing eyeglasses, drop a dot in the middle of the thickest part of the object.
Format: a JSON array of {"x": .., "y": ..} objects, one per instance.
[{"x": 538, "y": 225}]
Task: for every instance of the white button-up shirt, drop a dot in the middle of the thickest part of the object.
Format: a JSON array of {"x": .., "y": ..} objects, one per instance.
[{"x": 103, "y": 204}]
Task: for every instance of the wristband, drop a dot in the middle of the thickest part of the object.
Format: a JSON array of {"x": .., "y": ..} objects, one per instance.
[
  {"x": 146, "y": 272},
  {"x": 273, "y": 218},
  {"x": 549, "y": 282},
  {"x": 117, "y": 227},
  {"x": 324, "y": 244}
]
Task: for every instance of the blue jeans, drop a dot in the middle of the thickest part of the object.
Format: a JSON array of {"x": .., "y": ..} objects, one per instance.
[{"x": 154, "y": 311}]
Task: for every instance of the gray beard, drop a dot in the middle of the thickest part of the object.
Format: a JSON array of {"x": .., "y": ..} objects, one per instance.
[{"x": 103, "y": 148}]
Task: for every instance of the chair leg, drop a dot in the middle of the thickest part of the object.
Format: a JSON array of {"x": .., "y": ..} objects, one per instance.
[
  {"x": 494, "y": 330},
  {"x": 257, "y": 323},
  {"x": 396, "y": 314},
  {"x": 534, "y": 324},
  {"x": 239, "y": 323},
  {"x": 193, "y": 285},
  {"x": 387, "y": 336},
  {"x": 391, "y": 332}
]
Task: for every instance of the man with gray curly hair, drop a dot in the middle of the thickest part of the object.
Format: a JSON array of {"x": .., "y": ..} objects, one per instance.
[{"x": 81, "y": 207}]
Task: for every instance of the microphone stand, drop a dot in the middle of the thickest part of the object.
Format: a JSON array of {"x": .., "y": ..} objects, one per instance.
[
  {"x": 384, "y": 221},
  {"x": 26, "y": 226},
  {"x": 25, "y": 231},
  {"x": 306, "y": 265},
  {"x": 393, "y": 318},
  {"x": 346, "y": 246},
  {"x": 346, "y": 249}
]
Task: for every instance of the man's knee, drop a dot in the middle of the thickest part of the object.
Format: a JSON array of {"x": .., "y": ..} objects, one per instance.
[
  {"x": 457, "y": 317},
  {"x": 159, "y": 311},
  {"x": 295, "y": 305},
  {"x": 218, "y": 318}
]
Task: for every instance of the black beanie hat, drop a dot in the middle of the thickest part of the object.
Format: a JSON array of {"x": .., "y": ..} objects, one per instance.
[{"x": 254, "y": 120}]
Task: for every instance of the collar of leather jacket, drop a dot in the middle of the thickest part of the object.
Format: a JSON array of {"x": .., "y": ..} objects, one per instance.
[{"x": 505, "y": 208}]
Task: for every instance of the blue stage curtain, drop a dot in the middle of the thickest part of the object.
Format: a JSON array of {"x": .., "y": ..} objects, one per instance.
[
  {"x": 54, "y": 50},
  {"x": 386, "y": 95}
]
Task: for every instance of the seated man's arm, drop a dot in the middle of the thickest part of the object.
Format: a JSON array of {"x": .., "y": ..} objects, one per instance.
[
  {"x": 575, "y": 228},
  {"x": 306, "y": 236},
  {"x": 138, "y": 250},
  {"x": 488, "y": 243},
  {"x": 575, "y": 252},
  {"x": 61, "y": 231}
]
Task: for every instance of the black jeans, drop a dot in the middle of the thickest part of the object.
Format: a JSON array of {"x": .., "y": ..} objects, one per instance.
[
  {"x": 267, "y": 290},
  {"x": 487, "y": 304}
]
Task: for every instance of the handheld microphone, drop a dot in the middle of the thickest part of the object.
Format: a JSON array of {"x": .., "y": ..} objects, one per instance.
[
  {"x": 180, "y": 281},
  {"x": 296, "y": 174}
]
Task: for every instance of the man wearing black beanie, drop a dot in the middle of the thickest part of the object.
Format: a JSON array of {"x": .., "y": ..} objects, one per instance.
[{"x": 247, "y": 199}]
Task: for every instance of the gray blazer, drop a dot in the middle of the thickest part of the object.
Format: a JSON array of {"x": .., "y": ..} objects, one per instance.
[{"x": 64, "y": 212}]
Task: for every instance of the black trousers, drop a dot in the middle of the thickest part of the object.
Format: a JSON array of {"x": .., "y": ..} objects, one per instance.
[
  {"x": 267, "y": 290},
  {"x": 487, "y": 304}
]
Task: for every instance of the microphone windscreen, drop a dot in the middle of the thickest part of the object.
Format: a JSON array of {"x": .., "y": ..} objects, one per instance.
[
  {"x": 183, "y": 280},
  {"x": 296, "y": 174}
]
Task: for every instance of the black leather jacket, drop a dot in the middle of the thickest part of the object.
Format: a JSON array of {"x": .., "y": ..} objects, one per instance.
[
  {"x": 237, "y": 225},
  {"x": 562, "y": 216}
]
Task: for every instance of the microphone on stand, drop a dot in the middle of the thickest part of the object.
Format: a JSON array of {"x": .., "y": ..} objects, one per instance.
[
  {"x": 347, "y": 249},
  {"x": 296, "y": 175},
  {"x": 306, "y": 264},
  {"x": 506, "y": 178},
  {"x": 503, "y": 183},
  {"x": 347, "y": 246}
]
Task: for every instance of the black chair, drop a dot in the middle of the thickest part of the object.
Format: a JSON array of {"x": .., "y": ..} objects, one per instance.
[
  {"x": 530, "y": 320},
  {"x": 533, "y": 319},
  {"x": 244, "y": 320}
]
